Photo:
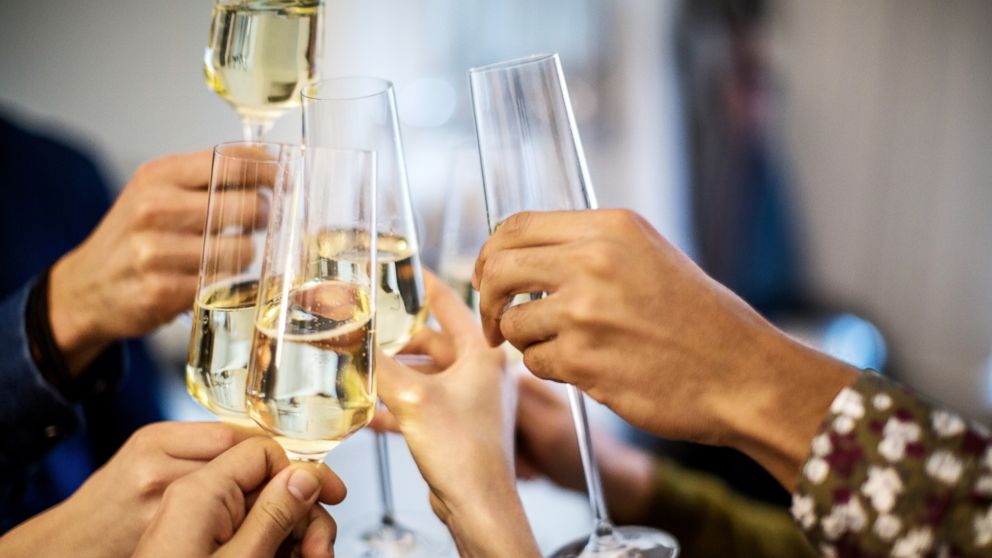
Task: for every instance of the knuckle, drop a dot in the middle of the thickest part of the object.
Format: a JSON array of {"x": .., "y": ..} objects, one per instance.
[
  {"x": 509, "y": 324},
  {"x": 602, "y": 258},
  {"x": 517, "y": 223},
  {"x": 145, "y": 171},
  {"x": 278, "y": 516},
  {"x": 144, "y": 252},
  {"x": 582, "y": 311},
  {"x": 150, "y": 479},
  {"x": 223, "y": 436},
  {"x": 145, "y": 438},
  {"x": 621, "y": 217},
  {"x": 416, "y": 395},
  {"x": 145, "y": 210},
  {"x": 535, "y": 362},
  {"x": 495, "y": 264}
]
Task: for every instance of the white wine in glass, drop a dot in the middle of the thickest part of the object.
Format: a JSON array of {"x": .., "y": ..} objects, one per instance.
[
  {"x": 223, "y": 320},
  {"x": 318, "y": 392},
  {"x": 401, "y": 310},
  {"x": 243, "y": 177},
  {"x": 360, "y": 113},
  {"x": 311, "y": 376},
  {"x": 261, "y": 54}
]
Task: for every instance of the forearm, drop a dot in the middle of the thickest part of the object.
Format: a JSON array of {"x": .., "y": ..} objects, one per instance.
[
  {"x": 79, "y": 339},
  {"x": 490, "y": 522},
  {"x": 494, "y": 533},
  {"x": 787, "y": 391},
  {"x": 55, "y": 532}
]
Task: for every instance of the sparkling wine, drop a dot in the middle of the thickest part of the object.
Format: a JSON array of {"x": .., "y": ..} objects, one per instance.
[
  {"x": 400, "y": 298},
  {"x": 310, "y": 382},
  {"x": 262, "y": 53},
  {"x": 219, "y": 346}
]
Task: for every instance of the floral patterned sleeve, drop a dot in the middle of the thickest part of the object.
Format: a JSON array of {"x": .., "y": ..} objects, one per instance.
[{"x": 890, "y": 474}]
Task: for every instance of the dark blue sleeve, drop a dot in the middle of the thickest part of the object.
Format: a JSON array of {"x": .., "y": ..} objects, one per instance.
[{"x": 33, "y": 415}]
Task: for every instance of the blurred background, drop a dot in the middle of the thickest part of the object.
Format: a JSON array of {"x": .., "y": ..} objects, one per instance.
[{"x": 829, "y": 161}]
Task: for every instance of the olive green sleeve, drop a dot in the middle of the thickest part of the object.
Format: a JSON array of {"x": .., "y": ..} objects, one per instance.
[{"x": 709, "y": 520}]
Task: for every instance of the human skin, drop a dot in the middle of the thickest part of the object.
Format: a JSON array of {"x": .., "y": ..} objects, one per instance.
[
  {"x": 110, "y": 511},
  {"x": 457, "y": 417},
  {"x": 246, "y": 503},
  {"x": 638, "y": 326},
  {"x": 138, "y": 269}
]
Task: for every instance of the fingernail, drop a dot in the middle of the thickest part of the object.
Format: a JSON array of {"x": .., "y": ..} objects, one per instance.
[{"x": 303, "y": 485}]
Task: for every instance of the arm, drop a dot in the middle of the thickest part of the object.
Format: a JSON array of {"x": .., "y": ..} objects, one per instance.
[
  {"x": 705, "y": 516},
  {"x": 34, "y": 415},
  {"x": 245, "y": 504},
  {"x": 639, "y": 327},
  {"x": 108, "y": 514},
  {"x": 676, "y": 353},
  {"x": 890, "y": 474},
  {"x": 135, "y": 272},
  {"x": 458, "y": 422}
]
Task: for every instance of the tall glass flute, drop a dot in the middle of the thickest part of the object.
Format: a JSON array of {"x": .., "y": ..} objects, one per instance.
[
  {"x": 463, "y": 229},
  {"x": 242, "y": 181},
  {"x": 261, "y": 54},
  {"x": 532, "y": 159},
  {"x": 311, "y": 376},
  {"x": 360, "y": 113}
]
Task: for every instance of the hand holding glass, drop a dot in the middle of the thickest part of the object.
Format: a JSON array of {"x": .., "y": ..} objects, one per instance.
[{"x": 532, "y": 160}]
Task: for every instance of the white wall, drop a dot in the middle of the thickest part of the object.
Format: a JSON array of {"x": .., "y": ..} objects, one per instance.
[{"x": 889, "y": 122}]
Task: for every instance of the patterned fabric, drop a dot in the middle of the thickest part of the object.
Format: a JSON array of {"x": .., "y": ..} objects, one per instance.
[{"x": 892, "y": 475}]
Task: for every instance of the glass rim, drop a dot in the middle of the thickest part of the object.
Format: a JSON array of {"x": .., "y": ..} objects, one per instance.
[
  {"x": 514, "y": 63},
  {"x": 310, "y": 91},
  {"x": 218, "y": 149}
]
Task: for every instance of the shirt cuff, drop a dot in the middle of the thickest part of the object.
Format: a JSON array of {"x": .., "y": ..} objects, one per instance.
[{"x": 34, "y": 415}]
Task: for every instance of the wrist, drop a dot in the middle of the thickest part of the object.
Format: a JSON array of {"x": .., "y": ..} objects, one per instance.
[
  {"x": 491, "y": 524},
  {"x": 73, "y": 328},
  {"x": 785, "y": 393}
]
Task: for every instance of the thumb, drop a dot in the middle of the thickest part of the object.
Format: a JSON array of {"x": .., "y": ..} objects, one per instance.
[
  {"x": 283, "y": 503},
  {"x": 396, "y": 382}
]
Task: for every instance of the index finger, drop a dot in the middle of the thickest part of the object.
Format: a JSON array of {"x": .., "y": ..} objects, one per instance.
[
  {"x": 535, "y": 228},
  {"x": 187, "y": 170},
  {"x": 254, "y": 461},
  {"x": 200, "y": 440}
]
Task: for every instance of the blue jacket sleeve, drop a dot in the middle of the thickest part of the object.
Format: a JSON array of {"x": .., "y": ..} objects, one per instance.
[{"x": 33, "y": 415}]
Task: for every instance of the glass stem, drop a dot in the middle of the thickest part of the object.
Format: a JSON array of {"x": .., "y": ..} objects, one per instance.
[
  {"x": 602, "y": 526},
  {"x": 385, "y": 482},
  {"x": 254, "y": 129}
]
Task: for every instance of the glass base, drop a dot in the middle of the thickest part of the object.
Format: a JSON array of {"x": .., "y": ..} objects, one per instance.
[
  {"x": 409, "y": 538},
  {"x": 625, "y": 542}
]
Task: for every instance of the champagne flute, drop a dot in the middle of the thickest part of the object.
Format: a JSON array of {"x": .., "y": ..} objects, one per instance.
[
  {"x": 532, "y": 159},
  {"x": 243, "y": 177},
  {"x": 360, "y": 113},
  {"x": 463, "y": 225},
  {"x": 311, "y": 376},
  {"x": 261, "y": 54}
]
